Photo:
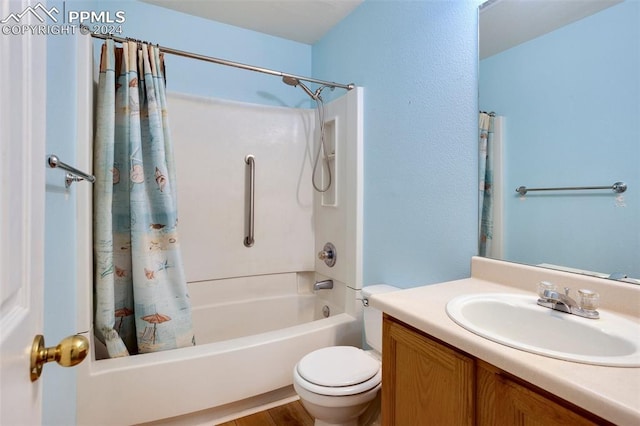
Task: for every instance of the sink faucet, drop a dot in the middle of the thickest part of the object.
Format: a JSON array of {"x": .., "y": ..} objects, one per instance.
[
  {"x": 323, "y": 285},
  {"x": 552, "y": 299},
  {"x": 563, "y": 302}
]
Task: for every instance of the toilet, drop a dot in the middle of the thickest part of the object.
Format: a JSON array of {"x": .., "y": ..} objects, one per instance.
[{"x": 336, "y": 384}]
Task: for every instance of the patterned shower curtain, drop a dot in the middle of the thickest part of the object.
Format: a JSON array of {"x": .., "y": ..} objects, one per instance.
[
  {"x": 485, "y": 162},
  {"x": 140, "y": 295}
]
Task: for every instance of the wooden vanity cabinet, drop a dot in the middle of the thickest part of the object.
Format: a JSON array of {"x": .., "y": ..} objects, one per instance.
[
  {"x": 423, "y": 381},
  {"x": 427, "y": 382}
]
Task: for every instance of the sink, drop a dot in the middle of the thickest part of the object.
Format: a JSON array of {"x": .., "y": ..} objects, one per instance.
[{"x": 518, "y": 321}]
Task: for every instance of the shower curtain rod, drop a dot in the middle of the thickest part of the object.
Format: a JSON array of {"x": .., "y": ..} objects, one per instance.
[{"x": 228, "y": 63}]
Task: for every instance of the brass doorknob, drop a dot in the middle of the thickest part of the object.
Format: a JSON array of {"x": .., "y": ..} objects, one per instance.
[{"x": 69, "y": 352}]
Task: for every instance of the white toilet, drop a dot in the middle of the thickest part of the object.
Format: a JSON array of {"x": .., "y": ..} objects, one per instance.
[{"x": 337, "y": 383}]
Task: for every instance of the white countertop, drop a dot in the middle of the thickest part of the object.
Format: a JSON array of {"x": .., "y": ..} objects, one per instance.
[{"x": 612, "y": 393}]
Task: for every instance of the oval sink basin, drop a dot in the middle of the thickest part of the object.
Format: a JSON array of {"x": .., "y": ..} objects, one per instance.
[{"x": 518, "y": 321}]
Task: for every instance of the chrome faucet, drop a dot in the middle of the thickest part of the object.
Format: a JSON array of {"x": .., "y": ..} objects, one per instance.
[
  {"x": 562, "y": 302},
  {"x": 323, "y": 285},
  {"x": 550, "y": 298}
]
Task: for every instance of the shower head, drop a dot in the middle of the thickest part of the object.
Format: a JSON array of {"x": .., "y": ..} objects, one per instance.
[{"x": 292, "y": 81}]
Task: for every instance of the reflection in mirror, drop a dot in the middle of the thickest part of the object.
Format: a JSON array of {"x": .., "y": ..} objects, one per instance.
[{"x": 567, "y": 105}]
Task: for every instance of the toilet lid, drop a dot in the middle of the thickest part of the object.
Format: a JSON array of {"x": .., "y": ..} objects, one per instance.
[{"x": 338, "y": 366}]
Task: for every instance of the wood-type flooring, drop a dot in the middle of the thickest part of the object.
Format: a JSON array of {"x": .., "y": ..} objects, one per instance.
[{"x": 292, "y": 414}]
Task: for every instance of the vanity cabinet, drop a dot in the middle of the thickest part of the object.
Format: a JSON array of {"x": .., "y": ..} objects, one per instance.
[{"x": 425, "y": 381}]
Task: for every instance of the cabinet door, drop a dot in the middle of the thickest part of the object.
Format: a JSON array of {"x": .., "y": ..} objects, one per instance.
[
  {"x": 504, "y": 400},
  {"x": 424, "y": 382},
  {"x": 518, "y": 405}
]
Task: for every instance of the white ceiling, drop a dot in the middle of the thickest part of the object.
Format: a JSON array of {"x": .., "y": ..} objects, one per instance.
[
  {"x": 507, "y": 23},
  {"x": 305, "y": 21}
]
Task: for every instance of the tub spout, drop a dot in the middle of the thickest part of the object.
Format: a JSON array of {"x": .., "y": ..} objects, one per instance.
[{"x": 323, "y": 285}]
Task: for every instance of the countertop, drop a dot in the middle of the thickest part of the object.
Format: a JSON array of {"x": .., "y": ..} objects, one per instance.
[{"x": 612, "y": 393}]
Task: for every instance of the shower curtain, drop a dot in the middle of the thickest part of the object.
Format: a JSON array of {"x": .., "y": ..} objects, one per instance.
[
  {"x": 485, "y": 170},
  {"x": 141, "y": 302}
]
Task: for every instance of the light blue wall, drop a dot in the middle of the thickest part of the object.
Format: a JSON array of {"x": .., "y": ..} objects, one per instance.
[
  {"x": 571, "y": 99},
  {"x": 417, "y": 62},
  {"x": 192, "y": 34}
]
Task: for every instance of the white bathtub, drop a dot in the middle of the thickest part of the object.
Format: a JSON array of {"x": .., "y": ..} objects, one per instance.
[
  {"x": 250, "y": 333},
  {"x": 204, "y": 382}
]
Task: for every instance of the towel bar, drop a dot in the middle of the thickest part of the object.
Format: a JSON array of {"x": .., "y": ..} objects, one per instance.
[
  {"x": 617, "y": 187},
  {"x": 73, "y": 175}
]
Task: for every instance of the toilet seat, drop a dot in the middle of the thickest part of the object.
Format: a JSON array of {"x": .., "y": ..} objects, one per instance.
[{"x": 338, "y": 371}]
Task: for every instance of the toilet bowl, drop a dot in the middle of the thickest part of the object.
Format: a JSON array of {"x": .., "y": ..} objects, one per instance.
[{"x": 336, "y": 384}]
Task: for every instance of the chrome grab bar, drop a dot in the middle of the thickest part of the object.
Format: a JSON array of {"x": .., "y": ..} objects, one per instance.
[
  {"x": 251, "y": 162},
  {"x": 74, "y": 174},
  {"x": 617, "y": 187}
]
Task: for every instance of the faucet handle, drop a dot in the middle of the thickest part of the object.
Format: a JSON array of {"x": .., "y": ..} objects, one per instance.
[
  {"x": 324, "y": 254},
  {"x": 328, "y": 254},
  {"x": 545, "y": 285},
  {"x": 589, "y": 300}
]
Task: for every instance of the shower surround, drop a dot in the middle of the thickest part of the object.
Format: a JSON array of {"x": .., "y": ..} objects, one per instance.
[{"x": 255, "y": 313}]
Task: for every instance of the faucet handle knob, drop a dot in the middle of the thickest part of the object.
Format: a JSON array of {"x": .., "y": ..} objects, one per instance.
[
  {"x": 328, "y": 254},
  {"x": 589, "y": 300},
  {"x": 545, "y": 285},
  {"x": 322, "y": 255}
]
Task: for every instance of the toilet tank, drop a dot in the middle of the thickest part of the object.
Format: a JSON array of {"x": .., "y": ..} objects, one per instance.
[{"x": 373, "y": 317}]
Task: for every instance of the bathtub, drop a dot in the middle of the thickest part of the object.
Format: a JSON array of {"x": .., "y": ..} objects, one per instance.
[{"x": 250, "y": 333}]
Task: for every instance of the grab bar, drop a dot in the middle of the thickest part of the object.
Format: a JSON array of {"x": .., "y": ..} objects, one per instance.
[
  {"x": 74, "y": 174},
  {"x": 617, "y": 187},
  {"x": 251, "y": 162}
]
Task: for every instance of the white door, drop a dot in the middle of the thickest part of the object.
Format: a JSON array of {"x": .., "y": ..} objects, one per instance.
[{"x": 22, "y": 186}]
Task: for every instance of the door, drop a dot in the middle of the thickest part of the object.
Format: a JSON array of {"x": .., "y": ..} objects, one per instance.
[{"x": 22, "y": 166}]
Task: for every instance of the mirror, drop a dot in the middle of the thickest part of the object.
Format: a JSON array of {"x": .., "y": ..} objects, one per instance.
[{"x": 564, "y": 81}]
